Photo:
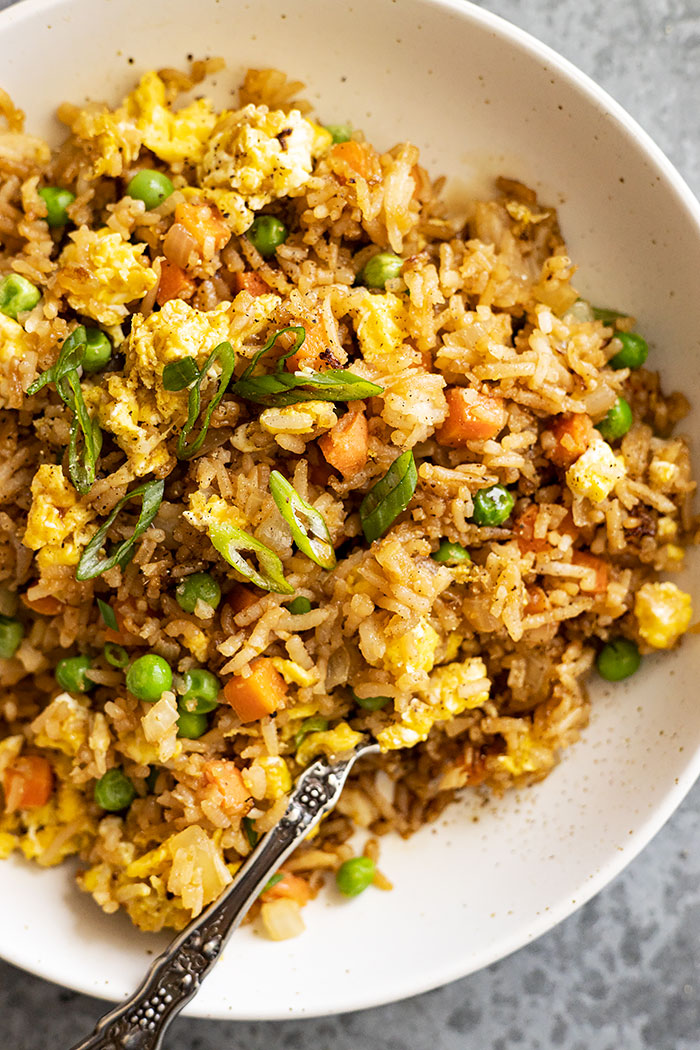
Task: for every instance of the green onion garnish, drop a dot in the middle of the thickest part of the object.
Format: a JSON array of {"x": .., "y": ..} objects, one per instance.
[
  {"x": 315, "y": 724},
  {"x": 179, "y": 374},
  {"x": 389, "y": 497},
  {"x": 280, "y": 388},
  {"x": 371, "y": 703},
  {"x": 81, "y": 463},
  {"x": 250, "y": 832},
  {"x": 116, "y": 655},
  {"x": 608, "y": 317},
  {"x": 91, "y": 564},
  {"x": 223, "y": 353},
  {"x": 308, "y": 525},
  {"x": 230, "y": 541},
  {"x": 108, "y": 614}
]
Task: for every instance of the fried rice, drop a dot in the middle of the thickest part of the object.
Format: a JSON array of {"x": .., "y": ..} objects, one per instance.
[{"x": 468, "y": 516}]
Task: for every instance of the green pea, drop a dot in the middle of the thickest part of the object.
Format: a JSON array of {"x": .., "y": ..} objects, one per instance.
[
  {"x": 199, "y": 586},
  {"x": 449, "y": 553},
  {"x": 617, "y": 422},
  {"x": 492, "y": 506},
  {"x": 12, "y": 633},
  {"x": 354, "y": 876},
  {"x": 371, "y": 703},
  {"x": 266, "y": 233},
  {"x": 71, "y": 674},
  {"x": 151, "y": 187},
  {"x": 56, "y": 200},
  {"x": 315, "y": 724},
  {"x": 116, "y": 655},
  {"x": 17, "y": 294},
  {"x": 299, "y": 606},
  {"x": 191, "y": 725},
  {"x": 379, "y": 269},
  {"x": 149, "y": 677},
  {"x": 202, "y": 689},
  {"x": 114, "y": 791},
  {"x": 633, "y": 353},
  {"x": 618, "y": 659},
  {"x": 340, "y": 132},
  {"x": 98, "y": 350}
]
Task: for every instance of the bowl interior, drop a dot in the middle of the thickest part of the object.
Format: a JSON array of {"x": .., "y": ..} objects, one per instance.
[{"x": 480, "y": 99}]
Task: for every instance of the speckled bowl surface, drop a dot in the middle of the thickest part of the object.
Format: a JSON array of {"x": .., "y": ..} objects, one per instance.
[{"x": 480, "y": 98}]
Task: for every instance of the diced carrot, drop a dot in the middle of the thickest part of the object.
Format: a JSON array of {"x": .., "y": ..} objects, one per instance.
[
  {"x": 355, "y": 160},
  {"x": 174, "y": 282},
  {"x": 224, "y": 778},
  {"x": 27, "y": 783},
  {"x": 205, "y": 223},
  {"x": 590, "y": 561},
  {"x": 524, "y": 531},
  {"x": 314, "y": 351},
  {"x": 471, "y": 416},
  {"x": 346, "y": 445},
  {"x": 289, "y": 886},
  {"x": 261, "y": 693},
  {"x": 240, "y": 598},
  {"x": 48, "y": 605},
  {"x": 250, "y": 281},
  {"x": 572, "y": 433}
]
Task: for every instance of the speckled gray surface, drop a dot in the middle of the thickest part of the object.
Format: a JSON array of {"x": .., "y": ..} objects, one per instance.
[{"x": 623, "y": 973}]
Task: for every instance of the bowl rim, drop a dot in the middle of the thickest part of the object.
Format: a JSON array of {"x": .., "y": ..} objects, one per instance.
[{"x": 442, "y": 974}]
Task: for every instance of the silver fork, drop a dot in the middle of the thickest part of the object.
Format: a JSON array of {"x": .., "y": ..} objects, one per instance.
[{"x": 175, "y": 976}]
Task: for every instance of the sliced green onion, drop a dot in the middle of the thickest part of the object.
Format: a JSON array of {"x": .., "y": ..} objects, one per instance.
[
  {"x": 91, "y": 564},
  {"x": 315, "y": 724},
  {"x": 230, "y": 541},
  {"x": 223, "y": 353},
  {"x": 179, "y": 374},
  {"x": 608, "y": 317},
  {"x": 280, "y": 388},
  {"x": 389, "y": 497},
  {"x": 308, "y": 525},
  {"x": 116, "y": 655},
  {"x": 300, "y": 336},
  {"x": 250, "y": 832},
  {"x": 108, "y": 615},
  {"x": 70, "y": 357},
  {"x": 272, "y": 881}
]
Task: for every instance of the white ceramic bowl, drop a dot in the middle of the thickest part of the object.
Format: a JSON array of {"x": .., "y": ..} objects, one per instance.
[{"x": 480, "y": 98}]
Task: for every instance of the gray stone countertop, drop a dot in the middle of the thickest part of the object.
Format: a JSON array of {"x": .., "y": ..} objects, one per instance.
[{"x": 623, "y": 973}]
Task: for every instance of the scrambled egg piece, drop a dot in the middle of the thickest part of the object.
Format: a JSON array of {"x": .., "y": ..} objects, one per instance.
[
  {"x": 134, "y": 406},
  {"x": 255, "y": 156},
  {"x": 596, "y": 472},
  {"x": 662, "y": 472},
  {"x": 203, "y": 513},
  {"x": 144, "y": 118},
  {"x": 61, "y": 827},
  {"x": 381, "y": 326},
  {"x": 192, "y": 863},
  {"x": 293, "y": 673},
  {"x": 329, "y": 742},
  {"x": 14, "y": 341},
  {"x": 663, "y": 613},
  {"x": 277, "y": 775},
  {"x": 99, "y": 273},
  {"x": 452, "y": 689},
  {"x": 174, "y": 136},
  {"x": 63, "y": 725},
  {"x": 59, "y": 524},
  {"x": 414, "y": 651},
  {"x": 526, "y": 755}
]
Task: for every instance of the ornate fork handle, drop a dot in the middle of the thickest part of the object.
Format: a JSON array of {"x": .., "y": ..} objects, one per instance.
[{"x": 175, "y": 976}]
